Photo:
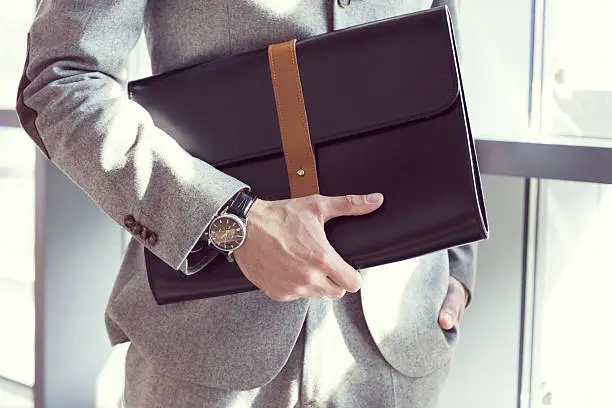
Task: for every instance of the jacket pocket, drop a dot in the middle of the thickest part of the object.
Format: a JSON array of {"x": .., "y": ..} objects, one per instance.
[{"x": 401, "y": 303}]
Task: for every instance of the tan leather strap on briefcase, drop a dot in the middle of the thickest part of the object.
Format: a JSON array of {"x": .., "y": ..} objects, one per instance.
[{"x": 297, "y": 146}]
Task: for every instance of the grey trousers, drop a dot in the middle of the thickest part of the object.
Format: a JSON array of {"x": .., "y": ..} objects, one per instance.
[{"x": 335, "y": 363}]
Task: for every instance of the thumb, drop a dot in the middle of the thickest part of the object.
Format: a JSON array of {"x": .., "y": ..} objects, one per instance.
[
  {"x": 452, "y": 307},
  {"x": 351, "y": 204}
]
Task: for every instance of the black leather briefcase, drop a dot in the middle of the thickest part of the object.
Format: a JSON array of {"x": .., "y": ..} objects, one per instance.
[{"x": 386, "y": 113}]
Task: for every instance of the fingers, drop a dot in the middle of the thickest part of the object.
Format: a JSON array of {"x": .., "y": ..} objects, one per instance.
[
  {"x": 333, "y": 290},
  {"x": 451, "y": 312},
  {"x": 341, "y": 273},
  {"x": 287, "y": 255},
  {"x": 331, "y": 207},
  {"x": 330, "y": 276},
  {"x": 327, "y": 288}
]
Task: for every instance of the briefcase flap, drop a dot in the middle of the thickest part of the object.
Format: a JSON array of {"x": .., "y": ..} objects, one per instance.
[{"x": 355, "y": 81}]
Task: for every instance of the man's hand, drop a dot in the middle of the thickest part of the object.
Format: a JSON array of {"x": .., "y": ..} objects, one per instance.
[
  {"x": 287, "y": 254},
  {"x": 452, "y": 309}
]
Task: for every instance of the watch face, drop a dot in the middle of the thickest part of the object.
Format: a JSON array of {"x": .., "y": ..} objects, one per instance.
[{"x": 227, "y": 233}]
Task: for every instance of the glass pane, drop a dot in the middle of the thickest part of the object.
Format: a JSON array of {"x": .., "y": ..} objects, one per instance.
[
  {"x": 15, "y": 396},
  {"x": 495, "y": 41},
  {"x": 572, "y": 354},
  {"x": 17, "y": 323},
  {"x": 17, "y": 157},
  {"x": 577, "y": 80},
  {"x": 15, "y": 21}
]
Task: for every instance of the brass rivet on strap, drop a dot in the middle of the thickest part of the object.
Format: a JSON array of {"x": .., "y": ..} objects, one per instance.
[{"x": 301, "y": 172}]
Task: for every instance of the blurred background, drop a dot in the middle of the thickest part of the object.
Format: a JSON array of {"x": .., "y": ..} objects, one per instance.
[{"x": 538, "y": 78}]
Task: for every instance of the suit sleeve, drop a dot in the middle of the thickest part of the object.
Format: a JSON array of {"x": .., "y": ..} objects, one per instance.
[
  {"x": 72, "y": 102},
  {"x": 462, "y": 261}
]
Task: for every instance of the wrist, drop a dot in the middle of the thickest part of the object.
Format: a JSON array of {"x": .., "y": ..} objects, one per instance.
[
  {"x": 257, "y": 209},
  {"x": 241, "y": 203},
  {"x": 228, "y": 229}
]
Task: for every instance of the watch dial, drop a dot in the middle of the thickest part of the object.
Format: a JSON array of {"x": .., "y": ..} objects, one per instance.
[{"x": 226, "y": 233}]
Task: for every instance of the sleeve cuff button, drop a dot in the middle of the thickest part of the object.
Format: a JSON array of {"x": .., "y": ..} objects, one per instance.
[
  {"x": 129, "y": 221},
  {"x": 152, "y": 238}
]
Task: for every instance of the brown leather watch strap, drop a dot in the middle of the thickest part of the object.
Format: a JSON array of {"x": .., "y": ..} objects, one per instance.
[{"x": 292, "y": 119}]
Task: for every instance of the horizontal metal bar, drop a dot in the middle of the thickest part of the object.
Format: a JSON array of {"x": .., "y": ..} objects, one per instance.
[
  {"x": 9, "y": 118},
  {"x": 558, "y": 161}
]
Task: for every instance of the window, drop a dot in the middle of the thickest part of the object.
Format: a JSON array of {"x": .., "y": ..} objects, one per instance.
[
  {"x": 571, "y": 358},
  {"x": 17, "y": 256},
  {"x": 572, "y": 355},
  {"x": 555, "y": 82},
  {"x": 17, "y": 156},
  {"x": 577, "y": 62},
  {"x": 13, "y": 46}
]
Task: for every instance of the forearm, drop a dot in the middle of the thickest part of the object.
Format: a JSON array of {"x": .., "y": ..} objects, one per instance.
[{"x": 73, "y": 103}]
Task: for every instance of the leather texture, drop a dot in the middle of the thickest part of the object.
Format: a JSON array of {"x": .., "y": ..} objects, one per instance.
[
  {"x": 293, "y": 120},
  {"x": 242, "y": 203},
  {"x": 393, "y": 120}
]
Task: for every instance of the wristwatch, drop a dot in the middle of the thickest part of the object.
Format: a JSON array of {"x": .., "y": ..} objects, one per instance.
[{"x": 227, "y": 230}]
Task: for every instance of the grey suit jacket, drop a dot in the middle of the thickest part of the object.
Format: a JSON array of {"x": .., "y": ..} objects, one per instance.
[{"x": 72, "y": 103}]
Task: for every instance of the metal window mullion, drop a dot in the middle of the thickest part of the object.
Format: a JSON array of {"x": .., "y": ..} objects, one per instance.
[
  {"x": 537, "y": 65},
  {"x": 533, "y": 222},
  {"x": 529, "y": 290}
]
